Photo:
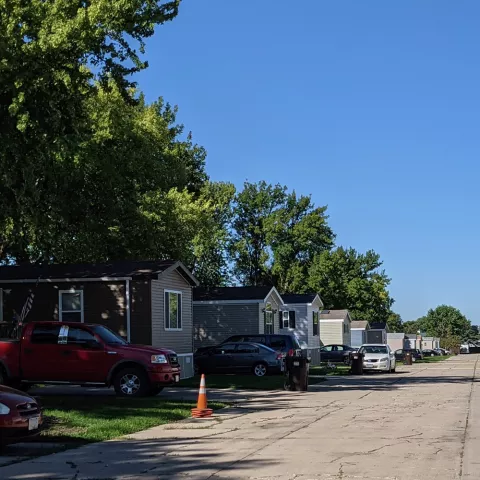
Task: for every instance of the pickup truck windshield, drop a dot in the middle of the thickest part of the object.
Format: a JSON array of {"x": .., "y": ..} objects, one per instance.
[{"x": 108, "y": 336}]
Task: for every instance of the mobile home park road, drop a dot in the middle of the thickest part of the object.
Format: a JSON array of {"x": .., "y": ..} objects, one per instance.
[{"x": 421, "y": 423}]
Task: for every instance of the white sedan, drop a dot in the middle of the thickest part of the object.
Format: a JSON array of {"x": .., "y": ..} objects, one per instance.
[{"x": 378, "y": 357}]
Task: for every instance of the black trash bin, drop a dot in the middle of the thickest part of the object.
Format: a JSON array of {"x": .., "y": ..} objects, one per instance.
[
  {"x": 296, "y": 373},
  {"x": 356, "y": 360},
  {"x": 408, "y": 359}
]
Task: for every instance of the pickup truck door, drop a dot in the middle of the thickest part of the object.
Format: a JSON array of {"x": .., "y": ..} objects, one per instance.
[
  {"x": 84, "y": 357},
  {"x": 40, "y": 356}
]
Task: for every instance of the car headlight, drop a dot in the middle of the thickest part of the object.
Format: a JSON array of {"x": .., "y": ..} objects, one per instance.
[
  {"x": 4, "y": 410},
  {"x": 385, "y": 359},
  {"x": 159, "y": 359}
]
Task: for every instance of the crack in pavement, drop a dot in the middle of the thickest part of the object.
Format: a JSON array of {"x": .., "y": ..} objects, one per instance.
[{"x": 464, "y": 436}]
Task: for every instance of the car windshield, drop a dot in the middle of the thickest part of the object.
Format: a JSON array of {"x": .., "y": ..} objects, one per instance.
[
  {"x": 108, "y": 336},
  {"x": 374, "y": 349}
]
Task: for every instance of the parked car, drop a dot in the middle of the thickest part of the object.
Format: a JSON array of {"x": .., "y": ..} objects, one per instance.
[
  {"x": 378, "y": 357},
  {"x": 427, "y": 352},
  {"x": 81, "y": 354},
  {"x": 20, "y": 416},
  {"x": 277, "y": 342},
  {"x": 336, "y": 353},
  {"x": 240, "y": 357},
  {"x": 442, "y": 351},
  {"x": 400, "y": 354}
]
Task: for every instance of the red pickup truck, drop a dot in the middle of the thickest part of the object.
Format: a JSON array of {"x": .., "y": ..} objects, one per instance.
[{"x": 88, "y": 355}]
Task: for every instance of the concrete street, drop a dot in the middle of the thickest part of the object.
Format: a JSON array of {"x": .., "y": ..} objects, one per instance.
[{"x": 421, "y": 423}]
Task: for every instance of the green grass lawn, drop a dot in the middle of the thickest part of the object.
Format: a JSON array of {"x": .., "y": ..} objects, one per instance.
[
  {"x": 433, "y": 359},
  {"x": 246, "y": 382},
  {"x": 323, "y": 370},
  {"x": 95, "y": 418}
]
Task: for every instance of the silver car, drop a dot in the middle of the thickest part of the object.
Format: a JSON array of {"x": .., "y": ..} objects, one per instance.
[{"x": 378, "y": 357}]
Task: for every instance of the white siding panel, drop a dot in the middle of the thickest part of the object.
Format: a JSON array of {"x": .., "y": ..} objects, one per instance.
[{"x": 331, "y": 332}]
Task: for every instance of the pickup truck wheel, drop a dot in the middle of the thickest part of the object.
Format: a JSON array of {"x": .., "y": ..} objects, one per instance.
[{"x": 131, "y": 382}]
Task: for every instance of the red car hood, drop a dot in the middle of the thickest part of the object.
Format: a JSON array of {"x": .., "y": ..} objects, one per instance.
[
  {"x": 144, "y": 349},
  {"x": 11, "y": 397}
]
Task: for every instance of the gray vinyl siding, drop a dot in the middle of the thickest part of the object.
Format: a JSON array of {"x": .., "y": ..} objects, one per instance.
[
  {"x": 186, "y": 365},
  {"x": 358, "y": 338},
  {"x": 331, "y": 332},
  {"x": 214, "y": 322},
  {"x": 301, "y": 323},
  {"x": 180, "y": 341},
  {"x": 313, "y": 341}
]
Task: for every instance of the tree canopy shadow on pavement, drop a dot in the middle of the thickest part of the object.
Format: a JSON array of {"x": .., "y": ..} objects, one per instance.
[
  {"x": 167, "y": 458},
  {"x": 381, "y": 383}
]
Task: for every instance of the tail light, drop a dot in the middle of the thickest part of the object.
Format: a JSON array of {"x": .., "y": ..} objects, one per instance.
[
  {"x": 279, "y": 356},
  {"x": 291, "y": 352}
]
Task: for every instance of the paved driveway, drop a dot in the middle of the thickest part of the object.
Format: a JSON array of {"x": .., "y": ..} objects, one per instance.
[{"x": 422, "y": 423}]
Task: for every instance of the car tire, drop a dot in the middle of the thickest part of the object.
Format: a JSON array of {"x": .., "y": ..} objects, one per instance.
[
  {"x": 132, "y": 382},
  {"x": 260, "y": 369},
  {"x": 155, "y": 390},
  {"x": 393, "y": 370}
]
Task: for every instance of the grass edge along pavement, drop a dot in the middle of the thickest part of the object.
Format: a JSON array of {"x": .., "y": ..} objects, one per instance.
[
  {"x": 86, "y": 419},
  {"x": 433, "y": 359},
  {"x": 241, "y": 382}
]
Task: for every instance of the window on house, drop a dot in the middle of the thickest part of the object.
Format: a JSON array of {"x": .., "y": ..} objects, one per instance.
[
  {"x": 315, "y": 324},
  {"x": 173, "y": 310},
  {"x": 285, "y": 319},
  {"x": 71, "y": 306},
  {"x": 268, "y": 318}
]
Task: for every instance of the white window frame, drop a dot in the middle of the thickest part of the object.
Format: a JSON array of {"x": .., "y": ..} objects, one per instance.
[
  {"x": 61, "y": 311},
  {"x": 168, "y": 329},
  {"x": 1, "y": 304},
  {"x": 286, "y": 319}
]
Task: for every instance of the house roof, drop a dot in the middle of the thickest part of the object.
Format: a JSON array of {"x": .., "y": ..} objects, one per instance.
[
  {"x": 292, "y": 298},
  {"x": 333, "y": 314},
  {"x": 216, "y": 294},
  {"x": 378, "y": 325},
  {"x": 122, "y": 269},
  {"x": 359, "y": 324}
]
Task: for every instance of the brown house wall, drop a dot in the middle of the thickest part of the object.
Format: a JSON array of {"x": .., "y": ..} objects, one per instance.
[
  {"x": 141, "y": 312},
  {"x": 104, "y": 302}
]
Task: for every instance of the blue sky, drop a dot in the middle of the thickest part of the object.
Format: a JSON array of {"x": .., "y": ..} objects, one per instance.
[{"x": 371, "y": 107}]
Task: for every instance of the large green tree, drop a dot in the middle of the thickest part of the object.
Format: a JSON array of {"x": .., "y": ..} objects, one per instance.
[
  {"x": 275, "y": 236},
  {"x": 210, "y": 261},
  {"x": 56, "y": 59},
  {"x": 95, "y": 205},
  {"x": 444, "y": 321},
  {"x": 394, "y": 322},
  {"x": 352, "y": 280}
]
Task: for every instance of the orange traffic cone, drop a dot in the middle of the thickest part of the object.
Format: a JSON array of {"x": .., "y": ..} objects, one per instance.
[{"x": 202, "y": 411}]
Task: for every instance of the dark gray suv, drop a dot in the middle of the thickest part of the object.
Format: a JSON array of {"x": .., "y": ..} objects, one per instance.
[{"x": 277, "y": 342}]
